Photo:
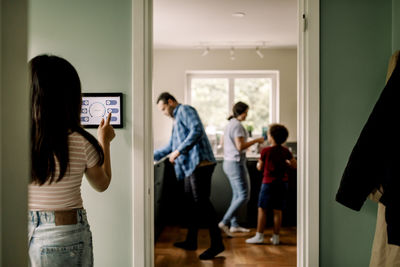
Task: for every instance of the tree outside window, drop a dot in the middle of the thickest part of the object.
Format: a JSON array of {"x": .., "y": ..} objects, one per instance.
[{"x": 214, "y": 94}]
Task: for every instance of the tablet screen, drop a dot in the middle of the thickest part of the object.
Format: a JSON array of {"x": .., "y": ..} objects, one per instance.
[{"x": 96, "y": 106}]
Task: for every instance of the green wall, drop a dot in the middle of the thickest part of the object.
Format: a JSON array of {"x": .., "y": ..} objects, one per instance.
[
  {"x": 96, "y": 37},
  {"x": 14, "y": 133},
  {"x": 356, "y": 44},
  {"x": 396, "y": 25}
]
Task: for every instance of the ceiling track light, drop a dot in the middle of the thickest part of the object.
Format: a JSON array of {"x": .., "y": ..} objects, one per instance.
[
  {"x": 261, "y": 55},
  {"x": 232, "y": 53},
  {"x": 238, "y": 14},
  {"x": 206, "y": 51}
]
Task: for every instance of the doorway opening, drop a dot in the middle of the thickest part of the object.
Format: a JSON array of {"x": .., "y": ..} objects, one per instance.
[{"x": 307, "y": 121}]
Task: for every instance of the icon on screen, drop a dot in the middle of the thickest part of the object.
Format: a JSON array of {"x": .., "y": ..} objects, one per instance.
[
  {"x": 112, "y": 110},
  {"x": 111, "y": 102}
]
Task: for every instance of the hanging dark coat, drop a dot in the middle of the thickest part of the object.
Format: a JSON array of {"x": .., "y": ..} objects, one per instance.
[{"x": 375, "y": 159}]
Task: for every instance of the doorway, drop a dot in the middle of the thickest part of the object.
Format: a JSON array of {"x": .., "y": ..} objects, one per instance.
[{"x": 308, "y": 127}]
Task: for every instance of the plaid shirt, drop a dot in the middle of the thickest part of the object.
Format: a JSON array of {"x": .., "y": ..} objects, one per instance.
[{"x": 190, "y": 139}]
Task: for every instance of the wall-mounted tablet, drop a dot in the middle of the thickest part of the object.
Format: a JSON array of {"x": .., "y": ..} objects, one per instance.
[{"x": 96, "y": 106}]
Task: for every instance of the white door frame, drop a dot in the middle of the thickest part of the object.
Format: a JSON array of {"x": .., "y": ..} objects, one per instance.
[
  {"x": 307, "y": 135},
  {"x": 142, "y": 143}
]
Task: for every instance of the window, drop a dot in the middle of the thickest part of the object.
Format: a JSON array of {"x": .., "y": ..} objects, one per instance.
[
  {"x": 210, "y": 97},
  {"x": 214, "y": 93}
]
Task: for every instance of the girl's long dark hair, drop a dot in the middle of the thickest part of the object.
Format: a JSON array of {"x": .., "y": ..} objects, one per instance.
[
  {"x": 237, "y": 109},
  {"x": 55, "y": 113}
]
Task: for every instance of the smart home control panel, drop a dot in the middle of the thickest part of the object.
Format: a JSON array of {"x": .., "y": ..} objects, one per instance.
[{"x": 96, "y": 106}]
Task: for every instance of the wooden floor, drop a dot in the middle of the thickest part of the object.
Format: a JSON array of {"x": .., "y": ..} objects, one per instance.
[{"x": 237, "y": 252}]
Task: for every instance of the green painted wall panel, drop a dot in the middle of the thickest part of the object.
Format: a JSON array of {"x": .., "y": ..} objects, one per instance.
[
  {"x": 355, "y": 50},
  {"x": 96, "y": 37},
  {"x": 396, "y": 25}
]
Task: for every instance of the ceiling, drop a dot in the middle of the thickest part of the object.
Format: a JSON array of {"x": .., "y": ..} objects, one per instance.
[{"x": 193, "y": 24}]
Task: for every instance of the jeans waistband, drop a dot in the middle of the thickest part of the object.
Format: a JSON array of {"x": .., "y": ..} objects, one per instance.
[
  {"x": 240, "y": 161},
  {"x": 49, "y": 217}
]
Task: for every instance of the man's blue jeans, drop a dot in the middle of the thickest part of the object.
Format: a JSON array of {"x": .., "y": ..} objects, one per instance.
[{"x": 238, "y": 177}]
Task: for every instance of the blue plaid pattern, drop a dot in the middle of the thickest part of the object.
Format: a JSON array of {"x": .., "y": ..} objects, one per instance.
[{"x": 190, "y": 139}]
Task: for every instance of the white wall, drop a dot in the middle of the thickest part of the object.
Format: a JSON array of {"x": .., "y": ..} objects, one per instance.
[
  {"x": 169, "y": 75},
  {"x": 14, "y": 132},
  {"x": 96, "y": 37}
]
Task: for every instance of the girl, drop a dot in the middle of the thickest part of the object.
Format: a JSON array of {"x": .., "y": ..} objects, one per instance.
[{"x": 61, "y": 152}]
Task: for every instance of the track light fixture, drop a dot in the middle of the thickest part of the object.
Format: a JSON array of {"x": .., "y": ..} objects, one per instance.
[
  {"x": 232, "y": 53},
  {"x": 206, "y": 48},
  {"x": 258, "y": 52},
  {"x": 206, "y": 51}
]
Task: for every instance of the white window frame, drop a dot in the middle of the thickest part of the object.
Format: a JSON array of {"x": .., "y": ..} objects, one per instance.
[{"x": 237, "y": 74}]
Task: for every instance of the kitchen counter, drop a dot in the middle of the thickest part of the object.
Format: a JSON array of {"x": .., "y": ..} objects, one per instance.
[
  {"x": 248, "y": 157},
  {"x": 169, "y": 199},
  {"x": 292, "y": 146}
]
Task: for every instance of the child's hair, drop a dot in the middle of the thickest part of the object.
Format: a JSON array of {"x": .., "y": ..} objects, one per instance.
[
  {"x": 279, "y": 133},
  {"x": 56, "y": 104}
]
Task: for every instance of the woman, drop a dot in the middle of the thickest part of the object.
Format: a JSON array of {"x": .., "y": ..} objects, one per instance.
[
  {"x": 61, "y": 152},
  {"x": 235, "y": 145}
]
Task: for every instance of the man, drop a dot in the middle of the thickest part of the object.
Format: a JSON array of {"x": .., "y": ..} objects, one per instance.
[{"x": 190, "y": 152}]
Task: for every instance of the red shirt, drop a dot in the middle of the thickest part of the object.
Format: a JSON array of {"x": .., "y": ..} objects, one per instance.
[{"x": 275, "y": 165}]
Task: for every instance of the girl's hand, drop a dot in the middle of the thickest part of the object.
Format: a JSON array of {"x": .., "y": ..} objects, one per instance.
[{"x": 105, "y": 132}]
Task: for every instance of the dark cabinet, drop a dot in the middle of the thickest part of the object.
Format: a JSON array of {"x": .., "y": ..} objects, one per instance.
[
  {"x": 159, "y": 170},
  {"x": 169, "y": 203}
]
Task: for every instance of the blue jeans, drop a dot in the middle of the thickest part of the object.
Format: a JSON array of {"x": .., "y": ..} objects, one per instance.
[
  {"x": 62, "y": 245},
  {"x": 238, "y": 177}
]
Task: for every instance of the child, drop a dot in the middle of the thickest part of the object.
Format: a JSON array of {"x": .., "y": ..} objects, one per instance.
[
  {"x": 274, "y": 161},
  {"x": 61, "y": 153}
]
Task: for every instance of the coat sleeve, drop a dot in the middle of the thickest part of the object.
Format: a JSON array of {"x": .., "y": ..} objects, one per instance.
[
  {"x": 374, "y": 160},
  {"x": 358, "y": 179},
  {"x": 367, "y": 167}
]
